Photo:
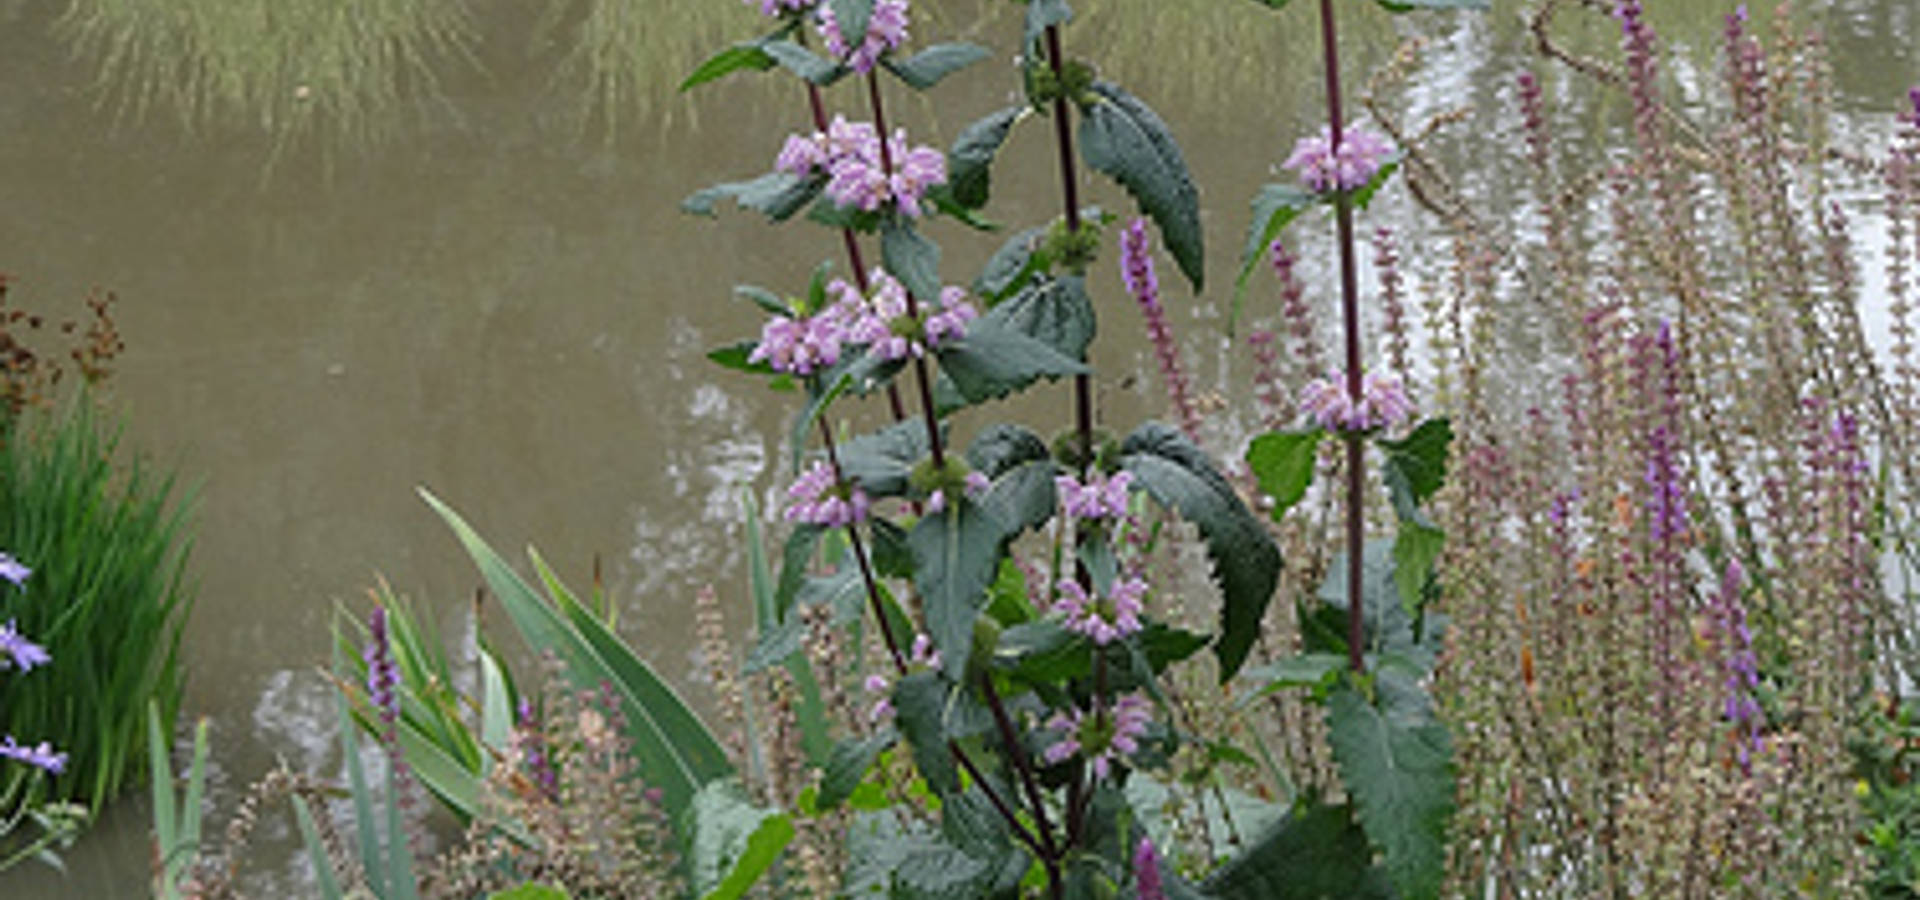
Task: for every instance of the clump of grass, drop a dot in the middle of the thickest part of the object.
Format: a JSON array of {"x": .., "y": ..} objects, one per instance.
[{"x": 108, "y": 543}]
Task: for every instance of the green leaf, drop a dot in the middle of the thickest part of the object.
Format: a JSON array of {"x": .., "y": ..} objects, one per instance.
[
  {"x": 796, "y": 558},
  {"x": 925, "y": 69},
  {"x": 891, "y": 557},
  {"x": 1283, "y": 462},
  {"x": 970, "y": 160},
  {"x": 1022, "y": 471},
  {"x": 820, "y": 395},
  {"x": 775, "y": 644},
  {"x": 763, "y": 298},
  {"x": 1044, "y": 14},
  {"x": 1010, "y": 267},
  {"x": 1055, "y": 311},
  {"x": 496, "y": 707},
  {"x": 956, "y": 554},
  {"x": 1043, "y": 652},
  {"x": 316, "y": 850},
  {"x": 734, "y": 356},
  {"x": 911, "y": 257},
  {"x": 673, "y": 750},
  {"x": 1390, "y": 630},
  {"x": 1363, "y": 194},
  {"x": 734, "y": 842},
  {"x": 851, "y": 16},
  {"x": 530, "y": 891},
  {"x": 1300, "y": 670},
  {"x": 741, "y": 56},
  {"x": 1400, "y": 6},
  {"x": 1124, "y": 139},
  {"x": 1166, "y": 644},
  {"x": 1273, "y": 208},
  {"x": 1400, "y": 776},
  {"x": 777, "y": 194},
  {"x": 848, "y": 765},
  {"x": 992, "y": 361},
  {"x": 803, "y": 62},
  {"x": 1312, "y": 854},
  {"x": 882, "y": 461},
  {"x": 1415, "y": 548},
  {"x": 1416, "y": 466},
  {"x": 1246, "y": 562},
  {"x": 920, "y": 704}
]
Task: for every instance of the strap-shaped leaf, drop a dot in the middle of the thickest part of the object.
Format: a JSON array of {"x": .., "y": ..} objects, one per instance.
[
  {"x": 1057, "y": 311},
  {"x": 956, "y": 554},
  {"x": 880, "y": 462},
  {"x": 970, "y": 161},
  {"x": 804, "y": 63},
  {"x": 1273, "y": 208},
  {"x": 777, "y": 194},
  {"x": 1283, "y": 462},
  {"x": 992, "y": 361},
  {"x": 796, "y": 557},
  {"x": 911, "y": 257},
  {"x": 739, "y": 57},
  {"x": 1123, "y": 138},
  {"x": 1398, "y": 769},
  {"x": 1313, "y": 854},
  {"x": 925, "y": 69},
  {"x": 674, "y": 750},
  {"x": 1246, "y": 562},
  {"x": 734, "y": 842}
]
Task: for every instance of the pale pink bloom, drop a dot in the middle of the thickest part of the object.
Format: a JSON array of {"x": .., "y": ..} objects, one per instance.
[
  {"x": 890, "y": 333},
  {"x": 886, "y": 29},
  {"x": 1107, "y": 620},
  {"x": 1100, "y": 740},
  {"x": 1383, "y": 402},
  {"x": 1323, "y": 169},
  {"x": 819, "y": 500},
  {"x": 1101, "y": 497}
]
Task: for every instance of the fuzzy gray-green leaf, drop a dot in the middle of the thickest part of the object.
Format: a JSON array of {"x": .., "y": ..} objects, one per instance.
[
  {"x": 1399, "y": 772},
  {"x": 992, "y": 361},
  {"x": 1123, "y": 138},
  {"x": 925, "y": 69},
  {"x": 1057, "y": 311},
  {"x": 970, "y": 161}
]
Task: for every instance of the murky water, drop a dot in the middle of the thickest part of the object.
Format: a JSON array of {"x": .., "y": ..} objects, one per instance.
[{"x": 516, "y": 318}]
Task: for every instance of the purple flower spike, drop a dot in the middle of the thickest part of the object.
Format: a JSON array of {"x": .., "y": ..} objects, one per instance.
[
  {"x": 1323, "y": 168},
  {"x": 383, "y": 676},
  {"x": 42, "y": 756},
  {"x": 819, "y": 499},
  {"x": 1146, "y": 872},
  {"x": 13, "y": 570},
  {"x": 16, "y": 650},
  {"x": 886, "y": 29}
]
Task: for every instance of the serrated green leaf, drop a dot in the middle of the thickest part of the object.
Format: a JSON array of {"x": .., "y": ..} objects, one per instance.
[
  {"x": 1363, "y": 194},
  {"x": 1415, "y": 548},
  {"x": 992, "y": 361},
  {"x": 1283, "y": 462},
  {"x": 1400, "y": 776},
  {"x": 1390, "y": 631},
  {"x": 919, "y": 709},
  {"x": 1317, "y": 853},
  {"x": 880, "y": 462},
  {"x": 774, "y": 645},
  {"x": 1011, "y": 266},
  {"x": 956, "y": 553},
  {"x": 734, "y": 842},
  {"x": 910, "y": 257},
  {"x": 970, "y": 160},
  {"x": 891, "y": 556},
  {"x": 847, "y": 766},
  {"x": 1123, "y": 138},
  {"x": 1419, "y": 461},
  {"x": 1274, "y": 207},
  {"x": 1021, "y": 495},
  {"x": 1055, "y": 311},
  {"x": 925, "y": 69},
  {"x": 1246, "y": 562},
  {"x": 803, "y": 62},
  {"x": 777, "y": 194},
  {"x": 740, "y": 56},
  {"x": 1166, "y": 644}
]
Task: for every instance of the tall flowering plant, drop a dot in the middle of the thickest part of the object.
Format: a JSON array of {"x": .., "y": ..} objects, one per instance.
[
  {"x": 57, "y": 823},
  {"x": 1024, "y": 693}
]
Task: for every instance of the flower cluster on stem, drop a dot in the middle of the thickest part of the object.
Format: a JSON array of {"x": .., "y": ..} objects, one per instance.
[
  {"x": 1741, "y": 666},
  {"x": 1099, "y": 497},
  {"x": 1324, "y": 168},
  {"x": 893, "y": 329},
  {"x": 17, "y": 651},
  {"x": 1101, "y": 738},
  {"x": 850, "y": 155},
  {"x": 1383, "y": 402},
  {"x": 1107, "y": 619},
  {"x": 886, "y": 30},
  {"x": 818, "y": 498},
  {"x": 1136, "y": 270},
  {"x": 923, "y": 656},
  {"x": 383, "y": 677}
]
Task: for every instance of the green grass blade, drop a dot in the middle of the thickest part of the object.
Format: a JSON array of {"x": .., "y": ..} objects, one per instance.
[{"x": 316, "y": 853}]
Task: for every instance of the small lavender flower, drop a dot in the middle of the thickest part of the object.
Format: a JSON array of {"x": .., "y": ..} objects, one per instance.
[
  {"x": 42, "y": 756},
  {"x": 13, "y": 570},
  {"x": 882, "y": 708},
  {"x": 923, "y": 653},
  {"x": 801, "y": 346},
  {"x": 819, "y": 499},
  {"x": 16, "y": 650},
  {"x": 978, "y": 484},
  {"x": 819, "y": 151},
  {"x": 1383, "y": 402},
  {"x": 1146, "y": 872},
  {"x": 533, "y": 750},
  {"x": 1103, "y": 621},
  {"x": 383, "y": 676},
  {"x": 891, "y": 333},
  {"x": 1322, "y": 168},
  {"x": 1741, "y": 666},
  {"x": 1101, "y": 497},
  {"x": 1136, "y": 270},
  {"x": 1100, "y": 739},
  {"x": 886, "y": 29},
  {"x": 860, "y": 179}
]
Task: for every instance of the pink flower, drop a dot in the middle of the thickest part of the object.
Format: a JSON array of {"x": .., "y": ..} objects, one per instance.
[
  {"x": 1324, "y": 169},
  {"x": 1383, "y": 402},
  {"x": 1103, "y": 621},
  {"x": 1146, "y": 872},
  {"x": 891, "y": 333},
  {"x": 819, "y": 499},
  {"x": 1100, "y": 739},
  {"x": 883, "y": 707},
  {"x": 886, "y": 29},
  {"x": 801, "y": 346},
  {"x": 859, "y": 178},
  {"x": 1102, "y": 497},
  {"x": 821, "y": 150}
]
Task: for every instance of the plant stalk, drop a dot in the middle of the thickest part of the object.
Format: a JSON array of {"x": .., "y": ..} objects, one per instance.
[
  {"x": 1350, "y": 319},
  {"x": 860, "y": 557},
  {"x": 1070, "y": 193}
]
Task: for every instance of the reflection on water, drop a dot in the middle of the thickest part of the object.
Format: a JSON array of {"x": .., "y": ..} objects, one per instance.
[{"x": 517, "y": 319}]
